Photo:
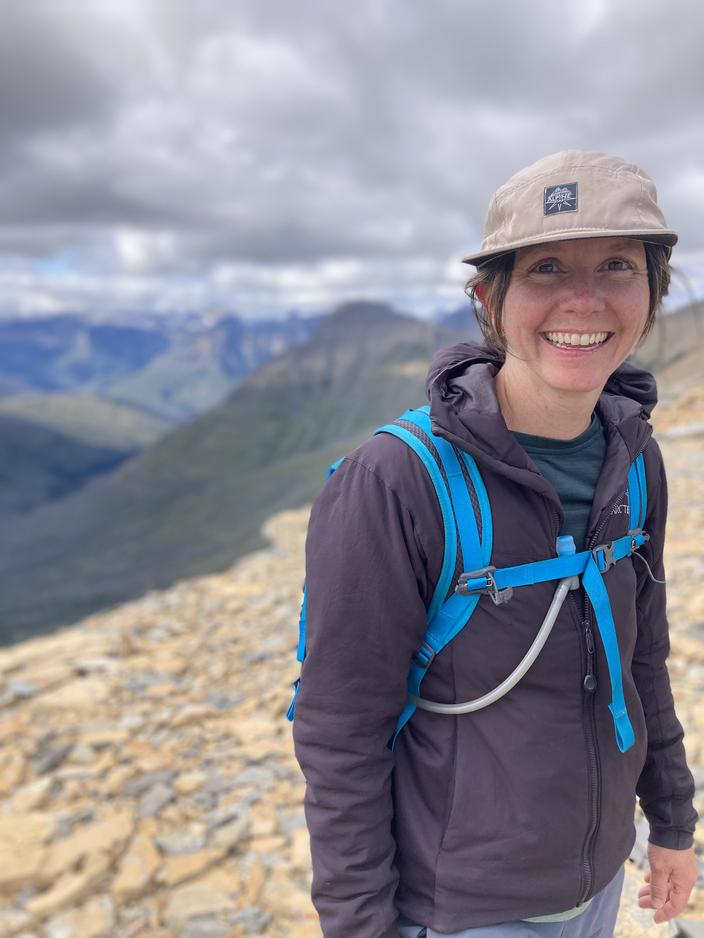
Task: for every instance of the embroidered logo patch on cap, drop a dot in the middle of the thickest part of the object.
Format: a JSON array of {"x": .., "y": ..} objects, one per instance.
[{"x": 560, "y": 199}]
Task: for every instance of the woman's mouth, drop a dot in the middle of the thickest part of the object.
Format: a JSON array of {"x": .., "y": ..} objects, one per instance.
[{"x": 576, "y": 341}]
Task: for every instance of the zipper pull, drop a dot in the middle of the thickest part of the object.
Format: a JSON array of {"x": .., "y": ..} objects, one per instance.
[{"x": 589, "y": 682}]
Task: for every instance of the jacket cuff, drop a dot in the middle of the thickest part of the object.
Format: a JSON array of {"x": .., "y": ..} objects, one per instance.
[{"x": 672, "y": 839}]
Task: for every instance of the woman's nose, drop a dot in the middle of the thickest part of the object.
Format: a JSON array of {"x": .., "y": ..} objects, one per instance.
[{"x": 582, "y": 292}]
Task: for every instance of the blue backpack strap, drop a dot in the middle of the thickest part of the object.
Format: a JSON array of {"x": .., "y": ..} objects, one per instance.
[
  {"x": 300, "y": 654},
  {"x": 599, "y": 598},
  {"x": 450, "y": 528},
  {"x": 301, "y": 650},
  {"x": 594, "y": 585},
  {"x": 466, "y": 522},
  {"x": 492, "y": 581},
  {"x": 637, "y": 493},
  {"x": 446, "y": 618}
]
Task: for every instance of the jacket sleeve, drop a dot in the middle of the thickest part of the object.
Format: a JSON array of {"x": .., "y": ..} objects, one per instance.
[
  {"x": 665, "y": 787},
  {"x": 365, "y": 576}
]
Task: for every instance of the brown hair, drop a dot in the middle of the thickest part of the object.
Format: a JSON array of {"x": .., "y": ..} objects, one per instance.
[{"x": 495, "y": 275}]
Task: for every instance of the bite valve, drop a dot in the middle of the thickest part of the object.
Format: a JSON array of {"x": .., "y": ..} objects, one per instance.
[{"x": 564, "y": 547}]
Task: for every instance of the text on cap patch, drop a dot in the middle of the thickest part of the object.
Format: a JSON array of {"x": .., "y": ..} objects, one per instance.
[{"x": 562, "y": 198}]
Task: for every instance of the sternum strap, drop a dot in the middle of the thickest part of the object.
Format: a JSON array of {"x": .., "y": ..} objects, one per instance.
[{"x": 590, "y": 565}]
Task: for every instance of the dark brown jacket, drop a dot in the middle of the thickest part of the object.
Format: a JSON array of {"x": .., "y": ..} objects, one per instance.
[{"x": 525, "y": 807}]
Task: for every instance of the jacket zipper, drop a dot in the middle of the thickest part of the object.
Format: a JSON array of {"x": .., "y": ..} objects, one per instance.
[
  {"x": 583, "y": 627},
  {"x": 590, "y": 685}
]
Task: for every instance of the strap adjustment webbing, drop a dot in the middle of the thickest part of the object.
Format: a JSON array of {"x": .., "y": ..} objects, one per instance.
[
  {"x": 490, "y": 579},
  {"x": 424, "y": 656},
  {"x": 590, "y": 565}
]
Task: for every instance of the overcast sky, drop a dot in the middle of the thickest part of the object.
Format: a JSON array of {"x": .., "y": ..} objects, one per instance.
[{"x": 260, "y": 156}]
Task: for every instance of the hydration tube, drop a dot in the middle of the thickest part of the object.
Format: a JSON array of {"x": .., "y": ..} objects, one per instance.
[{"x": 565, "y": 545}]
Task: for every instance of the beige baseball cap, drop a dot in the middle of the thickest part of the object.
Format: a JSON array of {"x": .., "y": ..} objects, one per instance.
[{"x": 572, "y": 194}]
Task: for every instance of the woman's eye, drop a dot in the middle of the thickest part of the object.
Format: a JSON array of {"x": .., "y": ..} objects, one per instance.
[
  {"x": 544, "y": 267},
  {"x": 617, "y": 263}
]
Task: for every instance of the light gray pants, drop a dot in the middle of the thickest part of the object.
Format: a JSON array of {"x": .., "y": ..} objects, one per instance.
[{"x": 598, "y": 921}]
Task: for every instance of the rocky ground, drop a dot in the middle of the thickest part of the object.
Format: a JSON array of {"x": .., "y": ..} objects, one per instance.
[{"x": 148, "y": 785}]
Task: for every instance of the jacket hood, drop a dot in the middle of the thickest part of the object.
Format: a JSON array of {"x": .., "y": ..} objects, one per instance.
[
  {"x": 635, "y": 383},
  {"x": 464, "y": 408},
  {"x": 628, "y": 380}
]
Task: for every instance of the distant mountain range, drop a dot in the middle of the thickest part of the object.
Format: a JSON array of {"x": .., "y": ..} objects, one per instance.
[
  {"x": 171, "y": 370},
  {"x": 78, "y": 398}
]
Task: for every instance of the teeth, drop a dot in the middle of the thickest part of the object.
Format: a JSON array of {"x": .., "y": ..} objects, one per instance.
[{"x": 573, "y": 338}]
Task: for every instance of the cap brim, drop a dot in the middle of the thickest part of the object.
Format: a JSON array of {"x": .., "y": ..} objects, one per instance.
[{"x": 661, "y": 236}]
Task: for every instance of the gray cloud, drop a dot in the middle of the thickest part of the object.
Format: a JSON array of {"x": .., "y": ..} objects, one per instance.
[
  {"x": 294, "y": 153},
  {"x": 47, "y": 81}
]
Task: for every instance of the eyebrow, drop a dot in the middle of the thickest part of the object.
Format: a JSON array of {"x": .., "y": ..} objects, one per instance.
[
  {"x": 626, "y": 242},
  {"x": 618, "y": 244}
]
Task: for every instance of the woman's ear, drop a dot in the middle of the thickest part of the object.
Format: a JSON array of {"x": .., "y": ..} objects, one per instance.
[{"x": 480, "y": 292}]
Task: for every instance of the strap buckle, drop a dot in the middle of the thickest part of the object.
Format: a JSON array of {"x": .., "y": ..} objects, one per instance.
[
  {"x": 424, "y": 656},
  {"x": 498, "y": 596},
  {"x": 635, "y": 532},
  {"x": 608, "y": 551}
]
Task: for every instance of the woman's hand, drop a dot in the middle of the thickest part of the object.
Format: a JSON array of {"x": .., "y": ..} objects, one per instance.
[{"x": 669, "y": 882}]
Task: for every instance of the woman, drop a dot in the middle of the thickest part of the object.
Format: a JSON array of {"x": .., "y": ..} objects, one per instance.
[{"x": 516, "y": 819}]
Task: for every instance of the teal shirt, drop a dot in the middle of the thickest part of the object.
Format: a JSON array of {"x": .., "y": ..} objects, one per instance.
[{"x": 573, "y": 467}]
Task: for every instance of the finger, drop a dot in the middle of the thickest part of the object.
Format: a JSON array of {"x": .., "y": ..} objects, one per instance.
[
  {"x": 678, "y": 898},
  {"x": 659, "y": 888},
  {"x": 668, "y": 911},
  {"x": 675, "y": 904}
]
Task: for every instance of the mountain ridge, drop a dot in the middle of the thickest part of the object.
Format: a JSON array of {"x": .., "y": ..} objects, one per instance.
[{"x": 195, "y": 500}]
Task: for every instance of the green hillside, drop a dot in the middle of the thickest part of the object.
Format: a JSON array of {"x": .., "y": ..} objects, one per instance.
[
  {"x": 37, "y": 464},
  {"x": 673, "y": 350},
  {"x": 196, "y": 500},
  {"x": 88, "y": 419}
]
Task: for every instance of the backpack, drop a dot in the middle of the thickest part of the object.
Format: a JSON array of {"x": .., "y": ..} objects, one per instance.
[{"x": 467, "y": 520}]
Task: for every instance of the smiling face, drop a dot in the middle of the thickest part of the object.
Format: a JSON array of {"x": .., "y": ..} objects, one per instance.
[{"x": 573, "y": 312}]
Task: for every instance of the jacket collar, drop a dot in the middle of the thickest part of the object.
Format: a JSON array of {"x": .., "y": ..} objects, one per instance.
[{"x": 465, "y": 411}]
